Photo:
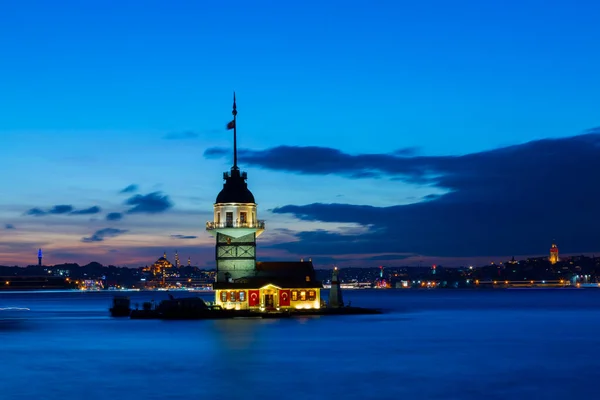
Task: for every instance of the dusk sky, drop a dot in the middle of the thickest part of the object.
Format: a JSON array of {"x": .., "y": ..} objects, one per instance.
[{"x": 373, "y": 133}]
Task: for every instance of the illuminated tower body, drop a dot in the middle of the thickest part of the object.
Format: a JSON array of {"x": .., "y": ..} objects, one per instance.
[
  {"x": 40, "y": 257},
  {"x": 189, "y": 261},
  {"x": 235, "y": 224},
  {"x": 553, "y": 254},
  {"x": 177, "y": 263}
]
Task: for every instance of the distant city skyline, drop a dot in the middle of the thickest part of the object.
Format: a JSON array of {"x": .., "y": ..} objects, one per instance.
[{"x": 371, "y": 135}]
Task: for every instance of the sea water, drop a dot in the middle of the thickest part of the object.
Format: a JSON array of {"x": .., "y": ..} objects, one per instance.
[{"x": 430, "y": 344}]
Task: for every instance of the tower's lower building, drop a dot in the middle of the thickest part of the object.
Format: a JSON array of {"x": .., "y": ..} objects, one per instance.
[
  {"x": 242, "y": 282},
  {"x": 275, "y": 285}
]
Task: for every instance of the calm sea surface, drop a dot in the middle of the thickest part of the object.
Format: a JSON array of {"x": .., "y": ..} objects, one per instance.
[{"x": 437, "y": 344}]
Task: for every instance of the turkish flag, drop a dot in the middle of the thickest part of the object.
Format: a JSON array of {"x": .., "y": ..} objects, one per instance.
[
  {"x": 253, "y": 298},
  {"x": 284, "y": 298}
]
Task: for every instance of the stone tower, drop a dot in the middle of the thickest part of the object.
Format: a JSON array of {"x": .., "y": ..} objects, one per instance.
[{"x": 235, "y": 224}]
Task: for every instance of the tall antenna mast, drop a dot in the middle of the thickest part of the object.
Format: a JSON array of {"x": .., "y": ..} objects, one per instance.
[{"x": 234, "y": 112}]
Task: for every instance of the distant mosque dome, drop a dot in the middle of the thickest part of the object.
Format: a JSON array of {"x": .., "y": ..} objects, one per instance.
[
  {"x": 235, "y": 189},
  {"x": 162, "y": 263}
]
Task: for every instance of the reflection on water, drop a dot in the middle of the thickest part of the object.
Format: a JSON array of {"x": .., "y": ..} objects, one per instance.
[{"x": 432, "y": 344}]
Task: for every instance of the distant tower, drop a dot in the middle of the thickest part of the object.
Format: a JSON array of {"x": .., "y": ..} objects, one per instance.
[
  {"x": 177, "y": 263},
  {"x": 553, "y": 254},
  {"x": 165, "y": 255},
  {"x": 335, "y": 293},
  {"x": 234, "y": 224},
  {"x": 40, "y": 257},
  {"x": 189, "y": 261}
]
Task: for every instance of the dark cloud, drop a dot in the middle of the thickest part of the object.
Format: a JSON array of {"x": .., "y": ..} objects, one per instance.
[
  {"x": 512, "y": 200},
  {"x": 87, "y": 211},
  {"x": 130, "y": 189},
  {"x": 114, "y": 216},
  {"x": 181, "y": 135},
  {"x": 183, "y": 237},
  {"x": 324, "y": 160},
  {"x": 36, "y": 212},
  {"x": 102, "y": 234},
  {"x": 9, "y": 227},
  {"x": 61, "y": 209},
  {"x": 151, "y": 203}
]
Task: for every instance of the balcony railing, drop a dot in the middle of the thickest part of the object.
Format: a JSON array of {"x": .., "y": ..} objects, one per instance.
[{"x": 260, "y": 224}]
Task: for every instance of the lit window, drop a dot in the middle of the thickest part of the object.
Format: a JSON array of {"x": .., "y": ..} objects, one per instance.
[
  {"x": 312, "y": 295},
  {"x": 294, "y": 295},
  {"x": 303, "y": 295},
  {"x": 231, "y": 296},
  {"x": 223, "y": 296},
  {"x": 243, "y": 218},
  {"x": 242, "y": 296}
]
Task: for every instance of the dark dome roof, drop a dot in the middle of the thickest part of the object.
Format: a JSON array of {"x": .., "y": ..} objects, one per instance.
[{"x": 235, "y": 189}]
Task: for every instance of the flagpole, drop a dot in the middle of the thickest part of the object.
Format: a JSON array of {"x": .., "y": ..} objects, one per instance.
[{"x": 234, "y": 112}]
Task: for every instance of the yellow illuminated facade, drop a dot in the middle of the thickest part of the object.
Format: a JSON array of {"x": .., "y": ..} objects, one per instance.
[{"x": 269, "y": 297}]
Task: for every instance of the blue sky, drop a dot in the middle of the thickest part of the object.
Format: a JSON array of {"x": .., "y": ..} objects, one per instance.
[{"x": 100, "y": 95}]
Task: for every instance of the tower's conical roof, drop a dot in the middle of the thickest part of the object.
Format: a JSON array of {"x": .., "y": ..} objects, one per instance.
[{"x": 235, "y": 189}]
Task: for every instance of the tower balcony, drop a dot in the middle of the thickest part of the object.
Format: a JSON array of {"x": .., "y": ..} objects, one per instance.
[
  {"x": 260, "y": 224},
  {"x": 236, "y": 229}
]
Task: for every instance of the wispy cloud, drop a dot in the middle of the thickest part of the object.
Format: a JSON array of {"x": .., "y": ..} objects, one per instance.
[
  {"x": 102, "y": 234},
  {"x": 151, "y": 203},
  {"x": 35, "y": 212},
  {"x": 9, "y": 227},
  {"x": 87, "y": 211},
  {"x": 130, "y": 189},
  {"x": 62, "y": 209},
  {"x": 114, "y": 216},
  {"x": 183, "y": 237}
]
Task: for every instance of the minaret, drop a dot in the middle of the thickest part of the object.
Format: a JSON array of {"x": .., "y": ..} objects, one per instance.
[
  {"x": 335, "y": 292},
  {"x": 40, "y": 257},
  {"x": 189, "y": 261},
  {"x": 177, "y": 263},
  {"x": 234, "y": 224},
  {"x": 553, "y": 254}
]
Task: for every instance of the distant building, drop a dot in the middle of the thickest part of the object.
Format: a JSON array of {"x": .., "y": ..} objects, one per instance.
[
  {"x": 242, "y": 282},
  {"x": 160, "y": 266},
  {"x": 553, "y": 254}
]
